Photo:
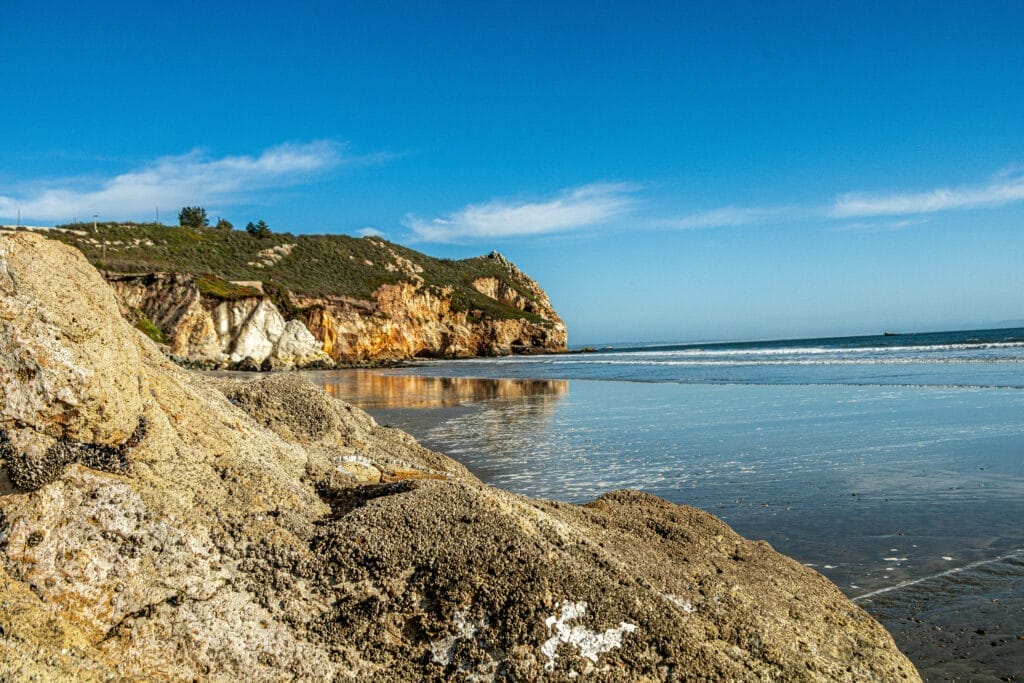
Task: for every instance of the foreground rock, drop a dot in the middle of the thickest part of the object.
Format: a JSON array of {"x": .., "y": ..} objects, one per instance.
[{"x": 155, "y": 524}]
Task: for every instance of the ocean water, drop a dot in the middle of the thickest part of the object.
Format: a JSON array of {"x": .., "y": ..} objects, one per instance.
[
  {"x": 894, "y": 465},
  {"x": 969, "y": 359}
]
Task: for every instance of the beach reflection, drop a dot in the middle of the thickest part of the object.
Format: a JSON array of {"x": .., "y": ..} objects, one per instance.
[{"x": 374, "y": 390}]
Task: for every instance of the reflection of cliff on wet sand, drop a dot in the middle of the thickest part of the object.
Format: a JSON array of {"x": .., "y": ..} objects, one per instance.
[{"x": 372, "y": 389}]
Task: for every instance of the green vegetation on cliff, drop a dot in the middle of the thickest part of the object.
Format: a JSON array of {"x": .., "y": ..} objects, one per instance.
[{"x": 311, "y": 265}]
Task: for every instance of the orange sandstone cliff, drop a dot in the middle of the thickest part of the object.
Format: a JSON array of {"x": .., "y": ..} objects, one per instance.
[
  {"x": 409, "y": 320},
  {"x": 224, "y": 299}
]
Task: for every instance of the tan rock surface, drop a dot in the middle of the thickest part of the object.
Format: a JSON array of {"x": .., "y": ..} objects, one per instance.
[
  {"x": 173, "y": 303},
  {"x": 408, "y": 320},
  {"x": 242, "y": 533}
]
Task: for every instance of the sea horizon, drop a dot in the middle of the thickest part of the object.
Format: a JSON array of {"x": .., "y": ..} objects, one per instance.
[{"x": 648, "y": 344}]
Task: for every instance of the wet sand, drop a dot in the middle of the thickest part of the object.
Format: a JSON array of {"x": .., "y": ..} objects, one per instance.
[{"x": 967, "y": 626}]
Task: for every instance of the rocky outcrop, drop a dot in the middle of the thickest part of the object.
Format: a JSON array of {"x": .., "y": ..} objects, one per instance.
[
  {"x": 409, "y": 319},
  {"x": 239, "y": 331},
  {"x": 156, "y": 524}
]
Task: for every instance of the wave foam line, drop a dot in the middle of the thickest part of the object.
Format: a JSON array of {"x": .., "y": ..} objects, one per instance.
[
  {"x": 939, "y": 575},
  {"x": 817, "y": 350},
  {"x": 781, "y": 362}
]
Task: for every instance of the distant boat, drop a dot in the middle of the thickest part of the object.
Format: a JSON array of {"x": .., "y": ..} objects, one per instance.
[{"x": 892, "y": 334}]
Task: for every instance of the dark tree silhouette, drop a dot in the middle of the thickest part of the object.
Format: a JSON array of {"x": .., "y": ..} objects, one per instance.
[{"x": 193, "y": 217}]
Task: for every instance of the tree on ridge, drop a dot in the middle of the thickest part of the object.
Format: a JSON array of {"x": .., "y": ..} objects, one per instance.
[
  {"x": 193, "y": 217},
  {"x": 259, "y": 229}
]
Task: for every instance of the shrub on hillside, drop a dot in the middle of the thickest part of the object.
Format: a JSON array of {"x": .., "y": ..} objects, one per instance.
[
  {"x": 193, "y": 217},
  {"x": 258, "y": 229}
]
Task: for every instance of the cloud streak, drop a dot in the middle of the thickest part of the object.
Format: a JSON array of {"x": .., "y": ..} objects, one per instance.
[
  {"x": 599, "y": 203},
  {"x": 1004, "y": 188},
  {"x": 172, "y": 181},
  {"x": 880, "y": 226},
  {"x": 573, "y": 209},
  {"x": 727, "y": 216}
]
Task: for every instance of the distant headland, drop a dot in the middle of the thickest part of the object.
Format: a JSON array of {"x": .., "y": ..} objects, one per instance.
[{"x": 256, "y": 299}]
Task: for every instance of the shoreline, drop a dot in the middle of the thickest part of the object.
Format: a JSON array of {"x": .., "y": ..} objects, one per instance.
[
  {"x": 977, "y": 630},
  {"x": 206, "y": 365},
  {"x": 942, "y": 639}
]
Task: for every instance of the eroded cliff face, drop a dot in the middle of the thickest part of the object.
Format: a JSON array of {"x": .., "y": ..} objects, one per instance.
[
  {"x": 408, "y": 320},
  {"x": 245, "y": 332},
  {"x": 159, "y": 525},
  {"x": 402, "y": 320}
]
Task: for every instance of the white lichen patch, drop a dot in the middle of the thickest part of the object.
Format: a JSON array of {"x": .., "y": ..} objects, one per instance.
[
  {"x": 465, "y": 628},
  {"x": 590, "y": 643},
  {"x": 684, "y": 605}
]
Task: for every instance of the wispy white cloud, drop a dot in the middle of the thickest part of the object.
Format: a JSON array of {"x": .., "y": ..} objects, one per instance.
[
  {"x": 573, "y": 209},
  {"x": 172, "y": 181},
  {"x": 1003, "y": 188},
  {"x": 370, "y": 232},
  {"x": 727, "y": 216},
  {"x": 879, "y": 225}
]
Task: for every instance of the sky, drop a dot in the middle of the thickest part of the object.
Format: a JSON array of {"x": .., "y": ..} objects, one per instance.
[{"x": 668, "y": 171}]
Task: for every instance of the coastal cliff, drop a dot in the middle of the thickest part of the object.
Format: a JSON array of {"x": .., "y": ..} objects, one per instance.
[
  {"x": 230, "y": 325},
  {"x": 158, "y": 524},
  {"x": 229, "y": 300}
]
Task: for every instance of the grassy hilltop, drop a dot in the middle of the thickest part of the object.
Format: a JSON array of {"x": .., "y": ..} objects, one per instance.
[{"x": 317, "y": 265}]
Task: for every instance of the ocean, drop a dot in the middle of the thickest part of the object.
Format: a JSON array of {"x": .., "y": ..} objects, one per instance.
[{"x": 892, "y": 464}]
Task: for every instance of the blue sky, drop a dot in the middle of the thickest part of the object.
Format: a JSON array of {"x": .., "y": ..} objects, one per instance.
[{"x": 668, "y": 171}]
